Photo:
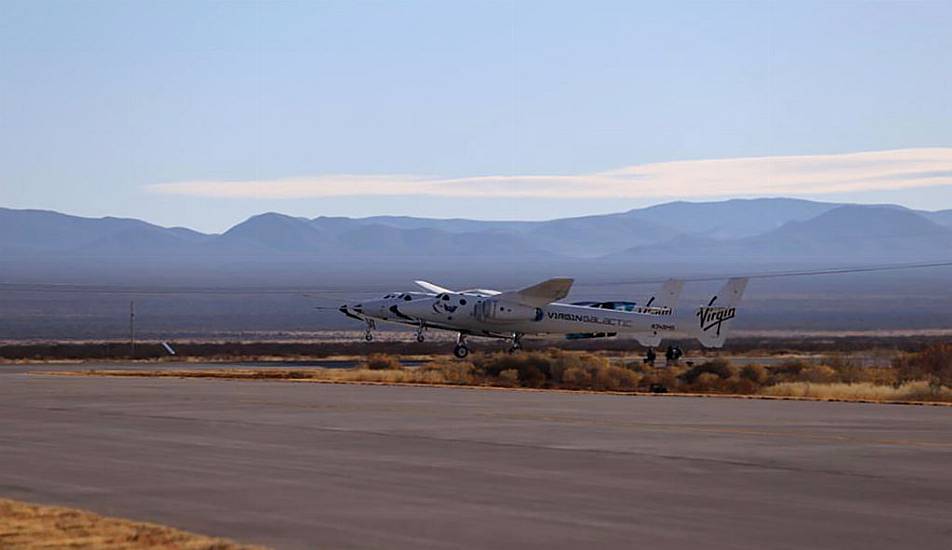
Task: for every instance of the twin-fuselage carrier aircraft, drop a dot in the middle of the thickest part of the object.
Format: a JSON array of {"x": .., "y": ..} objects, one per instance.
[{"x": 536, "y": 311}]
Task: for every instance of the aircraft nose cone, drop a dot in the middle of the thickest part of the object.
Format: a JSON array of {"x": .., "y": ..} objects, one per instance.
[{"x": 351, "y": 311}]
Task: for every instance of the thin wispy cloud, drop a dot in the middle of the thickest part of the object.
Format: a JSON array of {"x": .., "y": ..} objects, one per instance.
[{"x": 777, "y": 175}]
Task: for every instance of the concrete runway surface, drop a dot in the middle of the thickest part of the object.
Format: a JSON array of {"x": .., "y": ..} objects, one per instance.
[{"x": 304, "y": 465}]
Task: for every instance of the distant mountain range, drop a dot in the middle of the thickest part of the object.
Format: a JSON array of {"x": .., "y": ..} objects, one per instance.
[
  {"x": 325, "y": 260},
  {"x": 778, "y": 229}
]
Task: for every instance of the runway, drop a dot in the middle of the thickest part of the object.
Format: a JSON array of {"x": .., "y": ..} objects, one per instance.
[{"x": 304, "y": 465}]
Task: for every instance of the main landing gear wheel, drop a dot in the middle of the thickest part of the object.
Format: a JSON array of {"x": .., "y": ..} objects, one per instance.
[
  {"x": 461, "y": 351},
  {"x": 420, "y": 338},
  {"x": 650, "y": 356},
  {"x": 369, "y": 333},
  {"x": 516, "y": 343}
]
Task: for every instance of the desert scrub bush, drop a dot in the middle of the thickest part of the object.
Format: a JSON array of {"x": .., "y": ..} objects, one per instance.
[
  {"x": 669, "y": 377},
  {"x": 533, "y": 367},
  {"x": 508, "y": 378},
  {"x": 381, "y": 361},
  {"x": 707, "y": 381},
  {"x": 449, "y": 372},
  {"x": 640, "y": 367},
  {"x": 589, "y": 371},
  {"x": 910, "y": 391},
  {"x": 847, "y": 370},
  {"x": 577, "y": 378},
  {"x": 718, "y": 367},
  {"x": 818, "y": 374},
  {"x": 562, "y": 361},
  {"x": 754, "y": 373},
  {"x": 881, "y": 376},
  {"x": 614, "y": 378},
  {"x": 933, "y": 364},
  {"x": 788, "y": 371},
  {"x": 392, "y": 376},
  {"x": 749, "y": 380}
]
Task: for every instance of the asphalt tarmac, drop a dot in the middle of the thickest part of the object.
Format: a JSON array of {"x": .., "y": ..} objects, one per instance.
[{"x": 304, "y": 465}]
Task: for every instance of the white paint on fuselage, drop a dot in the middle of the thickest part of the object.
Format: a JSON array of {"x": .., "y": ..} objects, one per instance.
[{"x": 461, "y": 312}]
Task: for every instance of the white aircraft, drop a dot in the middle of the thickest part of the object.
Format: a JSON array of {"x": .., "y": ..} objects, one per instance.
[
  {"x": 388, "y": 308},
  {"x": 535, "y": 310},
  {"x": 384, "y": 309}
]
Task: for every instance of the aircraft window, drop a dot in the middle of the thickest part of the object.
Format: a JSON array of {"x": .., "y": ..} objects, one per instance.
[
  {"x": 445, "y": 297},
  {"x": 407, "y": 298},
  {"x": 462, "y": 302}
]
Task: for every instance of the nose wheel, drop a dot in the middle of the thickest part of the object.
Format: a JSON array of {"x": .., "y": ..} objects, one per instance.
[
  {"x": 419, "y": 333},
  {"x": 369, "y": 333},
  {"x": 461, "y": 351}
]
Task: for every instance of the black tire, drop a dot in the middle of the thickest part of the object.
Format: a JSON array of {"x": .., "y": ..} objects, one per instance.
[
  {"x": 369, "y": 337},
  {"x": 420, "y": 338},
  {"x": 461, "y": 352}
]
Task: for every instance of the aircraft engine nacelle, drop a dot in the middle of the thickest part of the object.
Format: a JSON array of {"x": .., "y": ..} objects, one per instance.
[{"x": 495, "y": 310}]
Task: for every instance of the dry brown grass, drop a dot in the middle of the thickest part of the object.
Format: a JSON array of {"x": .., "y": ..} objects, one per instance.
[
  {"x": 382, "y": 361},
  {"x": 457, "y": 374},
  {"x": 865, "y": 391},
  {"x": 30, "y": 526},
  {"x": 832, "y": 377}
]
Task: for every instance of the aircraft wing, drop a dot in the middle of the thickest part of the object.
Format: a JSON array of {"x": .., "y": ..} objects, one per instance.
[
  {"x": 541, "y": 294},
  {"x": 430, "y": 287}
]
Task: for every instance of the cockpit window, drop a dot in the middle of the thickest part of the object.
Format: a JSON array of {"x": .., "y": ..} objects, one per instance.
[
  {"x": 445, "y": 297},
  {"x": 407, "y": 297}
]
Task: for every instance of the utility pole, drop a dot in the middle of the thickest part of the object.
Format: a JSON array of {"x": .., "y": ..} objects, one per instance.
[{"x": 132, "y": 328}]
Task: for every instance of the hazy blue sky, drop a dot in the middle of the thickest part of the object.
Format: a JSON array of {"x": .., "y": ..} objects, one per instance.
[{"x": 101, "y": 100}]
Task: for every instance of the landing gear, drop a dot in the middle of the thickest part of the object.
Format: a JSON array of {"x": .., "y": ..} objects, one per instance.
[
  {"x": 369, "y": 333},
  {"x": 673, "y": 354},
  {"x": 419, "y": 333},
  {"x": 650, "y": 356},
  {"x": 461, "y": 351},
  {"x": 516, "y": 342}
]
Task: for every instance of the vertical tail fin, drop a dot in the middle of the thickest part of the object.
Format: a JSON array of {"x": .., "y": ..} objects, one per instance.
[
  {"x": 668, "y": 295},
  {"x": 714, "y": 319}
]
